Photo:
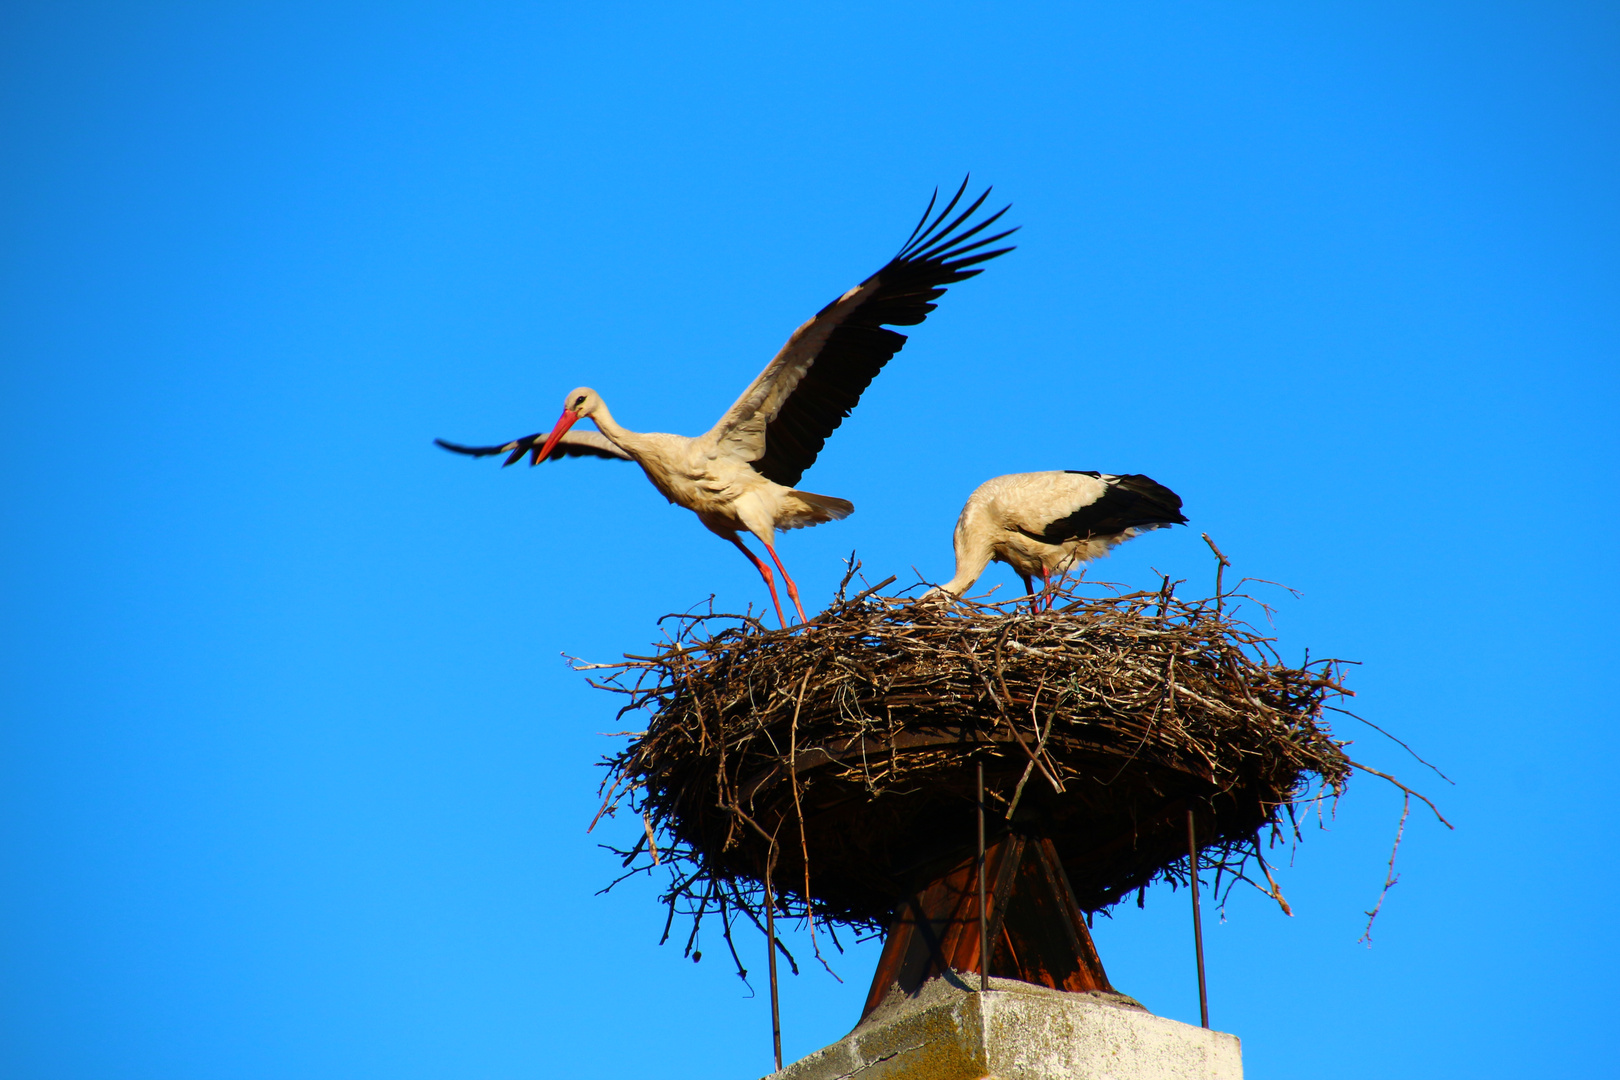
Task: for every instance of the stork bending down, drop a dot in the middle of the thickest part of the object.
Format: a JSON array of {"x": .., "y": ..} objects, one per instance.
[
  {"x": 739, "y": 476},
  {"x": 1047, "y": 523}
]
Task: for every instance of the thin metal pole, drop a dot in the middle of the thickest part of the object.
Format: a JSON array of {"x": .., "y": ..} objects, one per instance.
[
  {"x": 770, "y": 932},
  {"x": 984, "y": 923},
  {"x": 1198, "y": 922}
]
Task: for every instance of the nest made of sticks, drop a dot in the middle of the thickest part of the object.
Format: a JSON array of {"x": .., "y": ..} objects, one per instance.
[{"x": 840, "y": 757}]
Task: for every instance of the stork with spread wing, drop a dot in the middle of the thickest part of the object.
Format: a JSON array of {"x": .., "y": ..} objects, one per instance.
[{"x": 740, "y": 476}]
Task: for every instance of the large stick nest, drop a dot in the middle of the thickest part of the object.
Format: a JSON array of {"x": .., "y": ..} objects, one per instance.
[{"x": 841, "y": 755}]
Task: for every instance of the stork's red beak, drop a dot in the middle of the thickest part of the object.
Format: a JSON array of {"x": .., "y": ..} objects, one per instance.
[{"x": 564, "y": 422}]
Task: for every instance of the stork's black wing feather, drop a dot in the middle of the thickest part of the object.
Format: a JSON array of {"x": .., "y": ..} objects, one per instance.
[
  {"x": 936, "y": 255},
  {"x": 572, "y": 444},
  {"x": 1132, "y": 501}
]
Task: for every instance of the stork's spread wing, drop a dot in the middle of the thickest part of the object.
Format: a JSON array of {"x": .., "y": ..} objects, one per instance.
[
  {"x": 1132, "y": 501},
  {"x": 783, "y": 419},
  {"x": 572, "y": 444}
]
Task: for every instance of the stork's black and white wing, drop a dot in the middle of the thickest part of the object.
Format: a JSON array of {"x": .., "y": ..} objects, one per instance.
[
  {"x": 572, "y": 444},
  {"x": 782, "y": 420},
  {"x": 1107, "y": 505}
]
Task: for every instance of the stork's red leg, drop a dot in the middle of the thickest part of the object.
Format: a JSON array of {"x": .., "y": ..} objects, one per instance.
[
  {"x": 765, "y": 572},
  {"x": 1046, "y": 586},
  {"x": 793, "y": 590}
]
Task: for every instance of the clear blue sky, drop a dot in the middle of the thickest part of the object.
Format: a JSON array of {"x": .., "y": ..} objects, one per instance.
[{"x": 293, "y": 779}]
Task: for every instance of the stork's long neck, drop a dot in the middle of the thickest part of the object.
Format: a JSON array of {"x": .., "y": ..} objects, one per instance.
[
  {"x": 654, "y": 452},
  {"x": 965, "y": 576},
  {"x": 631, "y": 442},
  {"x": 972, "y": 556}
]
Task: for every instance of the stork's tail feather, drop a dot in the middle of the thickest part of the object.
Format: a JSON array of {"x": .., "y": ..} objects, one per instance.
[
  {"x": 804, "y": 508},
  {"x": 1157, "y": 502}
]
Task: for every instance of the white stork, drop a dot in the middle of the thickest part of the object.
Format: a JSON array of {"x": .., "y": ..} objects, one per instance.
[
  {"x": 740, "y": 475},
  {"x": 1047, "y": 523}
]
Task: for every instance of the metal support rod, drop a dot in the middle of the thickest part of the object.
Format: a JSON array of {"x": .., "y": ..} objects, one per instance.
[
  {"x": 1198, "y": 922},
  {"x": 770, "y": 933},
  {"x": 984, "y": 923}
]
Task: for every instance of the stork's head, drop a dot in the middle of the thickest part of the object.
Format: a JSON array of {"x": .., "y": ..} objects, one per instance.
[{"x": 581, "y": 401}]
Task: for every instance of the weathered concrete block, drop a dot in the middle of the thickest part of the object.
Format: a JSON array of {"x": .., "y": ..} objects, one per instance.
[{"x": 1017, "y": 1031}]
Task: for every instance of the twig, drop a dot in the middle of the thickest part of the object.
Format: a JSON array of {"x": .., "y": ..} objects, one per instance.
[
  {"x": 1276, "y": 891},
  {"x": 1040, "y": 748},
  {"x": 1394, "y": 740},
  {"x": 1409, "y": 791},
  {"x": 1220, "y": 568},
  {"x": 1390, "y": 878},
  {"x": 652, "y": 843},
  {"x": 603, "y": 808}
]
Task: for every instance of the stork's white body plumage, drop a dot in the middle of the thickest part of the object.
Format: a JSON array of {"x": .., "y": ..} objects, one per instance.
[
  {"x": 713, "y": 476},
  {"x": 740, "y": 475},
  {"x": 1044, "y": 524}
]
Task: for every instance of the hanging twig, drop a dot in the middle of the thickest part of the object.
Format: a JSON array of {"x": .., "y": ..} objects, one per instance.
[
  {"x": 1393, "y": 739},
  {"x": 1417, "y": 794},
  {"x": 1391, "y": 877}
]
